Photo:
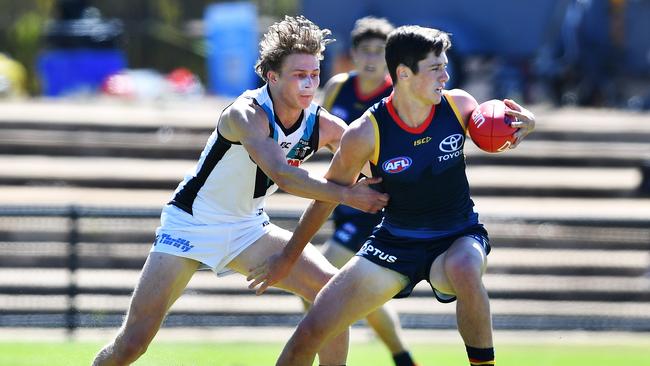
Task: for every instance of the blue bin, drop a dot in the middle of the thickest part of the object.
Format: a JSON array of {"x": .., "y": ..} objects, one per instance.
[
  {"x": 77, "y": 71},
  {"x": 231, "y": 34}
]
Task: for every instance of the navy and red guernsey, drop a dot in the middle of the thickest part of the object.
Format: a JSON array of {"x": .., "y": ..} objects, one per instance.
[
  {"x": 423, "y": 171},
  {"x": 348, "y": 103}
]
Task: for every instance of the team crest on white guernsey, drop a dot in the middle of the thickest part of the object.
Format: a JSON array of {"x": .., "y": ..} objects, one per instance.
[{"x": 297, "y": 145}]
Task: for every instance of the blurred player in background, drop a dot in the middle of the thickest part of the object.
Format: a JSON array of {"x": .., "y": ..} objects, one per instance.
[
  {"x": 216, "y": 217},
  {"x": 414, "y": 141},
  {"x": 347, "y": 96}
]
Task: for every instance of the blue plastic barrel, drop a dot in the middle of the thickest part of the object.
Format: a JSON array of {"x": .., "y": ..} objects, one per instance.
[
  {"x": 77, "y": 71},
  {"x": 231, "y": 34}
]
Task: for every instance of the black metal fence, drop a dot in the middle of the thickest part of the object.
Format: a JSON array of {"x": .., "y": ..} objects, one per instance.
[{"x": 42, "y": 243}]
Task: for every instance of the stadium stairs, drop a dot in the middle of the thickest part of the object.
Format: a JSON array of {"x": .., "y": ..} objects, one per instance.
[{"x": 83, "y": 183}]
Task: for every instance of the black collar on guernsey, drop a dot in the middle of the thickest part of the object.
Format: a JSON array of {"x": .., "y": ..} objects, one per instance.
[{"x": 294, "y": 126}]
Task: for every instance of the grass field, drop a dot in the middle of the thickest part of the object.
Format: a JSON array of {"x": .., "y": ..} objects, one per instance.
[{"x": 361, "y": 354}]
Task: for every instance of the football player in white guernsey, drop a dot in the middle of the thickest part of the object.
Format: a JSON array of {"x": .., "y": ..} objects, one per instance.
[{"x": 216, "y": 217}]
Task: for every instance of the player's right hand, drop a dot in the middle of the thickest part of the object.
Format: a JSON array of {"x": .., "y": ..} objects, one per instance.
[
  {"x": 365, "y": 198},
  {"x": 267, "y": 274}
]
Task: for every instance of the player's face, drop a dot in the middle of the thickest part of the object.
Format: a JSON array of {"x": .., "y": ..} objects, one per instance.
[
  {"x": 298, "y": 80},
  {"x": 432, "y": 75},
  {"x": 368, "y": 58}
]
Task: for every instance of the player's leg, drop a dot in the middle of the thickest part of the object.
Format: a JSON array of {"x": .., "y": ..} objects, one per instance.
[
  {"x": 459, "y": 271},
  {"x": 162, "y": 280},
  {"x": 337, "y": 255},
  {"x": 384, "y": 321},
  {"x": 310, "y": 273},
  {"x": 360, "y": 287}
]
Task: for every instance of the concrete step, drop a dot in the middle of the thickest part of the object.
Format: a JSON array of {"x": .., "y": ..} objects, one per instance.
[
  {"x": 199, "y": 113},
  {"x": 626, "y": 260},
  {"x": 163, "y": 144},
  {"x": 279, "y": 304},
  {"x": 561, "y": 153},
  {"x": 166, "y": 143},
  {"x": 118, "y": 236},
  {"x": 203, "y": 114},
  {"x": 209, "y": 293},
  {"x": 206, "y": 282},
  {"x": 172, "y": 129},
  {"x": 283, "y": 204},
  {"x": 132, "y": 173}
]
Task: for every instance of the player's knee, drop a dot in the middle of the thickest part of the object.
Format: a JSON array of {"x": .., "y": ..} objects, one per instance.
[
  {"x": 132, "y": 350},
  {"x": 136, "y": 336},
  {"x": 309, "y": 334},
  {"x": 463, "y": 267},
  {"x": 134, "y": 343},
  {"x": 308, "y": 294},
  {"x": 325, "y": 277}
]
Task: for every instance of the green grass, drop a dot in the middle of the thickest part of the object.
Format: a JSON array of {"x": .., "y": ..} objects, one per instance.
[{"x": 361, "y": 354}]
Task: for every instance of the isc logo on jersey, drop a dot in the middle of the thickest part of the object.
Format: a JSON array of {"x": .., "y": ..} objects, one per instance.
[{"x": 397, "y": 165}]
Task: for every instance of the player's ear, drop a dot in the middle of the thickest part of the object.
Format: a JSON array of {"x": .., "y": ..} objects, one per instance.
[
  {"x": 403, "y": 72},
  {"x": 272, "y": 77}
]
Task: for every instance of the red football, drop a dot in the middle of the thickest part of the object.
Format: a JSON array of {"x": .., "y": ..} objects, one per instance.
[{"x": 489, "y": 127}]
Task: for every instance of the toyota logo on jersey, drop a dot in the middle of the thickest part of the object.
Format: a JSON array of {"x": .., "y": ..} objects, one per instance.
[
  {"x": 451, "y": 143},
  {"x": 397, "y": 165}
]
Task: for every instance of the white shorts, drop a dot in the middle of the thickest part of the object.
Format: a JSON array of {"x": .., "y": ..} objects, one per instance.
[{"x": 214, "y": 245}]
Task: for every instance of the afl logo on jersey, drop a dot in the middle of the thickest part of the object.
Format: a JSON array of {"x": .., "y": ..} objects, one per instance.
[{"x": 397, "y": 165}]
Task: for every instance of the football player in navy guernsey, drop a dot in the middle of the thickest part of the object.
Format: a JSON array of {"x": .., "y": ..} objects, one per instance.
[
  {"x": 413, "y": 139},
  {"x": 348, "y": 96},
  {"x": 216, "y": 216}
]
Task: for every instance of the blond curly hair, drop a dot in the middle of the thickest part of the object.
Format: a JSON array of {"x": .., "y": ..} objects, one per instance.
[{"x": 291, "y": 35}]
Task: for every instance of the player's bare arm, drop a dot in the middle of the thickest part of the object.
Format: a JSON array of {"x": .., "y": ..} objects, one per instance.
[
  {"x": 357, "y": 148},
  {"x": 331, "y": 130},
  {"x": 332, "y": 127},
  {"x": 246, "y": 123},
  {"x": 464, "y": 101}
]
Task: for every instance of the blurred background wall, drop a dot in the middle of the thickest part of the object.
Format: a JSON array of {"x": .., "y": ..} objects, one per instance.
[
  {"x": 153, "y": 34},
  {"x": 584, "y": 52},
  {"x": 85, "y": 174}
]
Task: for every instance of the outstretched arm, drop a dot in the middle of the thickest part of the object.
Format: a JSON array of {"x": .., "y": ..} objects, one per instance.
[
  {"x": 247, "y": 124},
  {"x": 357, "y": 147}
]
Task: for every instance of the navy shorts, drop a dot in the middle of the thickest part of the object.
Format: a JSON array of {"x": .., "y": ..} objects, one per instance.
[
  {"x": 353, "y": 227},
  {"x": 413, "y": 257}
]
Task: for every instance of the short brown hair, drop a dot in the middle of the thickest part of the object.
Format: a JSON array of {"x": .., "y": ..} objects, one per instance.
[
  {"x": 409, "y": 44},
  {"x": 291, "y": 35},
  {"x": 369, "y": 28}
]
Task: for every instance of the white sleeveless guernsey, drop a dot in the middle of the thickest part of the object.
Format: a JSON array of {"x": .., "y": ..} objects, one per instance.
[
  {"x": 226, "y": 185},
  {"x": 218, "y": 209}
]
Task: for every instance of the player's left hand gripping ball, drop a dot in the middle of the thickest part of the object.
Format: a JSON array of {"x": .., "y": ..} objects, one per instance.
[{"x": 524, "y": 120}]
